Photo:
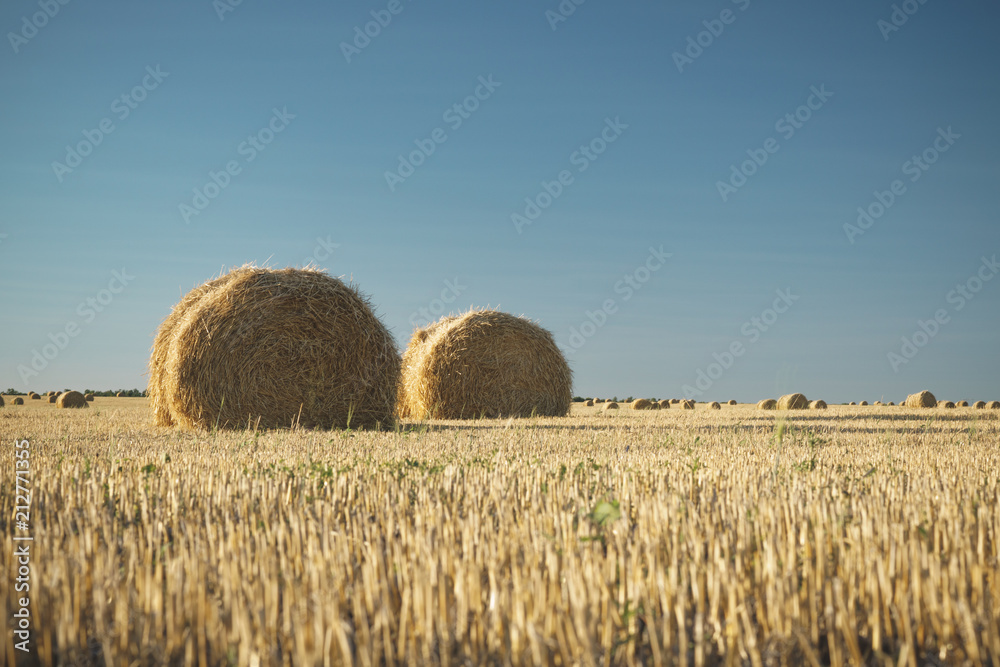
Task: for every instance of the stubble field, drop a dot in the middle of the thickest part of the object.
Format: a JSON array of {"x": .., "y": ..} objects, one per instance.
[{"x": 854, "y": 535}]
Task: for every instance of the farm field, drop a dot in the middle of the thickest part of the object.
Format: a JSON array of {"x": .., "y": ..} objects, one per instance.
[{"x": 853, "y": 535}]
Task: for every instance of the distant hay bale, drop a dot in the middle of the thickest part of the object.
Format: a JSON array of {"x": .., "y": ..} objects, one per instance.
[
  {"x": 484, "y": 363},
  {"x": 664, "y": 404},
  {"x": 674, "y": 401},
  {"x": 687, "y": 404},
  {"x": 120, "y": 394},
  {"x": 642, "y": 404},
  {"x": 923, "y": 399},
  {"x": 589, "y": 403},
  {"x": 852, "y": 403},
  {"x": 52, "y": 398},
  {"x": 877, "y": 403},
  {"x": 731, "y": 401},
  {"x": 18, "y": 400},
  {"x": 88, "y": 397},
  {"x": 945, "y": 404},
  {"x": 767, "y": 404},
  {"x": 962, "y": 404},
  {"x": 993, "y": 405},
  {"x": 863, "y": 403},
  {"x": 714, "y": 405},
  {"x": 793, "y": 402},
  {"x": 71, "y": 399},
  {"x": 308, "y": 349},
  {"x": 890, "y": 403},
  {"x": 598, "y": 400},
  {"x": 654, "y": 405},
  {"x": 817, "y": 405},
  {"x": 610, "y": 405},
  {"x": 1, "y": 401},
  {"x": 33, "y": 396},
  {"x": 979, "y": 405}
]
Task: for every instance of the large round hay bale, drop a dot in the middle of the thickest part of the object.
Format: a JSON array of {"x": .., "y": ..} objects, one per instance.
[
  {"x": 793, "y": 402},
  {"x": 273, "y": 348},
  {"x": 589, "y": 403},
  {"x": 979, "y": 405},
  {"x": 642, "y": 404},
  {"x": 731, "y": 401},
  {"x": 88, "y": 397},
  {"x": 945, "y": 404},
  {"x": 863, "y": 403},
  {"x": 18, "y": 400},
  {"x": 767, "y": 404},
  {"x": 686, "y": 404},
  {"x": 33, "y": 396},
  {"x": 52, "y": 398},
  {"x": 664, "y": 404},
  {"x": 714, "y": 405},
  {"x": 71, "y": 399},
  {"x": 923, "y": 399},
  {"x": 610, "y": 405},
  {"x": 484, "y": 363},
  {"x": 993, "y": 405},
  {"x": 818, "y": 404},
  {"x": 962, "y": 404}
]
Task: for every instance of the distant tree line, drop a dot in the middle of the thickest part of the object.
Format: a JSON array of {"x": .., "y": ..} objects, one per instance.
[{"x": 131, "y": 393}]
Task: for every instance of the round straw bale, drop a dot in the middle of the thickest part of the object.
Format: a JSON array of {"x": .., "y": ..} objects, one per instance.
[
  {"x": 852, "y": 403},
  {"x": 945, "y": 404},
  {"x": 793, "y": 402},
  {"x": 863, "y": 403},
  {"x": 979, "y": 405},
  {"x": 484, "y": 363},
  {"x": 993, "y": 405},
  {"x": 88, "y": 397},
  {"x": 686, "y": 404},
  {"x": 610, "y": 405},
  {"x": 33, "y": 396},
  {"x": 642, "y": 404},
  {"x": 71, "y": 399},
  {"x": 890, "y": 403},
  {"x": 714, "y": 405},
  {"x": 52, "y": 398},
  {"x": 664, "y": 404},
  {"x": 18, "y": 400},
  {"x": 120, "y": 395},
  {"x": 273, "y": 348},
  {"x": 1, "y": 401},
  {"x": 767, "y": 404},
  {"x": 731, "y": 401},
  {"x": 923, "y": 399},
  {"x": 819, "y": 404},
  {"x": 877, "y": 403},
  {"x": 598, "y": 400},
  {"x": 962, "y": 404},
  {"x": 589, "y": 403}
]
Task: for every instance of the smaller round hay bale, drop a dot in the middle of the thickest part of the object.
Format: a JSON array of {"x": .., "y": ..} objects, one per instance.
[
  {"x": 962, "y": 404},
  {"x": 33, "y": 396},
  {"x": 654, "y": 405},
  {"x": 88, "y": 397},
  {"x": 731, "y": 401},
  {"x": 71, "y": 399},
  {"x": 687, "y": 404},
  {"x": 610, "y": 405},
  {"x": 793, "y": 402},
  {"x": 979, "y": 405},
  {"x": 767, "y": 404},
  {"x": 674, "y": 401},
  {"x": 52, "y": 398},
  {"x": 890, "y": 403},
  {"x": 664, "y": 404},
  {"x": 598, "y": 400},
  {"x": 852, "y": 403},
  {"x": 1, "y": 401},
  {"x": 945, "y": 404},
  {"x": 18, "y": 400},
  {"x": 120, "y": 394},
  {"x": 589, "y": 403},
  {"x": 877, "y": 403},
  {"x": 863, "y": 403},
  {"x": 923, "y": 399},
  {"x": 993, "y": 405},
  {"x": 714, "y": 405},
  {"x": 817, "y": 405},
  {"x": 642, "y": 404}
]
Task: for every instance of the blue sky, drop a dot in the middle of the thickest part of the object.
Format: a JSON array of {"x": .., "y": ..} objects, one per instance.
[{"x": 271, "y": 81}]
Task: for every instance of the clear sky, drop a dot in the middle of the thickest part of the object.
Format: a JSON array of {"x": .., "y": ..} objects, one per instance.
[{"x": 652, "y": 182}]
